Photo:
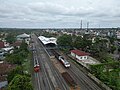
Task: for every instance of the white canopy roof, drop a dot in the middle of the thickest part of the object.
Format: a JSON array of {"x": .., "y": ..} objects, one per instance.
[{"x": 48, "y": 40}]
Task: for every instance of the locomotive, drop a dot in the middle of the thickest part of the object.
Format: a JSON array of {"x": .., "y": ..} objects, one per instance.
[{"x": 61, "y": 59}]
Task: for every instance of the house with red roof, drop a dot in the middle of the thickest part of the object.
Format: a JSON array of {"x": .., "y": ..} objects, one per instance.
[
  {"x": 80, "y": 55},
  {"x": 83, "y": 58},
  {"x": 2, "y": 44},
  {"x": 17, "y": 44}
]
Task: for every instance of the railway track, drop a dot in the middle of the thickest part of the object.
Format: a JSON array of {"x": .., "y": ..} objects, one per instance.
[
  {"x": 86, "y": 81},
  {"x": 46, "y": 81},
  {"x": 43, "y": 58},
  {"x": 80, "y": 78},
  {"x": 60, "y": 81},
  {"x": 43, "y": 81},
  {"x": 37, "y": 81},
  {"x": 67, "y": 77}
]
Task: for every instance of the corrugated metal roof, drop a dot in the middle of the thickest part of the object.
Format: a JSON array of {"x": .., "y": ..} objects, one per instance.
[
  {"x": 48, "y": 40},
  {"x": 3, "y": 84},
  {"x": 24, "y": 35},
  {"x": 80, "y": 53}
]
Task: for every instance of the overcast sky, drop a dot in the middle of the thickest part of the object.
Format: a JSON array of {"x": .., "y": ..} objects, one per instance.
[{"x": 59, "y": 13}]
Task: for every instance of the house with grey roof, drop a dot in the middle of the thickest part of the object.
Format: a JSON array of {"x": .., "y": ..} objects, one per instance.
[{"x": 24, "y": 37}]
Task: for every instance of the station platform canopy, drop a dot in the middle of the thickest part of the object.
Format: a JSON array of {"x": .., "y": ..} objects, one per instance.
[{"x": 46, "y": 40}]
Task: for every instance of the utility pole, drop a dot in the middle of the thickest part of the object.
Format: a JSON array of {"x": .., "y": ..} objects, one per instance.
[
  {"x": 81, "y": 25},
  {"x": 87, "y": 25},
  {"x": 99, "y": 26}
]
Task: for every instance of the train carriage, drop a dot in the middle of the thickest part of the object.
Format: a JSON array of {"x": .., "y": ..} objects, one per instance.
[
  {"x": 61, "y": 59},
  {"x": 36, "y": 68},
  {"x": 36, "y": 65}
]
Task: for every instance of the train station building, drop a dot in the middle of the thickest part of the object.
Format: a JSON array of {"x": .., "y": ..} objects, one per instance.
[
  {"x": 83, "y": 58},
  {"x": 80, "y": 55}
]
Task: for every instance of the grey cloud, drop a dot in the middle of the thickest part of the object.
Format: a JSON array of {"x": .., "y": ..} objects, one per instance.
[
  {"x": 95, "y": 11},
  {"x": 55, "y": 9}
]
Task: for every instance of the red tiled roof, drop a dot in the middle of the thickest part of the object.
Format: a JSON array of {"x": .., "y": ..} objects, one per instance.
[
  {"x": 1, "y": 44},
  {"x": 17, "y": 43},
  {"x": 5, "y": 68},
  {"x": 80, "y": 53}
]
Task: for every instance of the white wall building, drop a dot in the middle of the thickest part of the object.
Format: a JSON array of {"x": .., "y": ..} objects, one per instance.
[
  {"x": 25, "y": 37},
  {"x": 80, "y": 55},
  {"x": 83, "y": 58}
]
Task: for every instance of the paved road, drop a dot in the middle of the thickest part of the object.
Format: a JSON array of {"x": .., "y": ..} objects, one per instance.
[{"x": 48, "y": 78}]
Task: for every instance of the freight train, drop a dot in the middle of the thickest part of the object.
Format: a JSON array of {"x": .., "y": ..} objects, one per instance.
[{"x": 61, "y": 59}]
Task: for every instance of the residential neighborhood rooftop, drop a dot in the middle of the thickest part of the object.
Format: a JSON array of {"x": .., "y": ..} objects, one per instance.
[
  {"x": 5, "y": 68},
  {"x": 80, "y": 53},
  {"x": 1, "y": 44},
  {"x": 24, "y": 35}
]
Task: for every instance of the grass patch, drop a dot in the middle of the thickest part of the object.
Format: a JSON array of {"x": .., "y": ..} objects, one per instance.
[{"x": 26, "y": 65}]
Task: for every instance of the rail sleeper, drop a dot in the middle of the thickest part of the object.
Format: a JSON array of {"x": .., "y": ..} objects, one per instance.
[{"x": 70, "y": 81}]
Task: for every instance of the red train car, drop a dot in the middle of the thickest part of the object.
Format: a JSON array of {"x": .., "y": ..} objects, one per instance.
[{"x": 36, "y": 68}]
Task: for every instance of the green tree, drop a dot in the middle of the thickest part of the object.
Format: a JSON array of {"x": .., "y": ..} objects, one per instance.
[
  {"x": 118, "y": 49},
  {"x": 20, "y": 82},
  {"x": 78, "y": 42},
  {"x": 15, "y": 59},
  {"x": 23, "y": 53},
  {"x": 23, "y": 46},
  {"x": 97, "y": 70},
  {"x": 10, "y": 38},
  {"x": 65, "y": 41},
  {"x": 108, "y": 73},
  {"x": 47, "y": 34},
  {"x": 114, "y": 80},
  {"x": 113, "y": 48},
  {"x": 112, "y": 39},
  {"x": 14, "y": 72},
  {"x": 19, "y": 55}
]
